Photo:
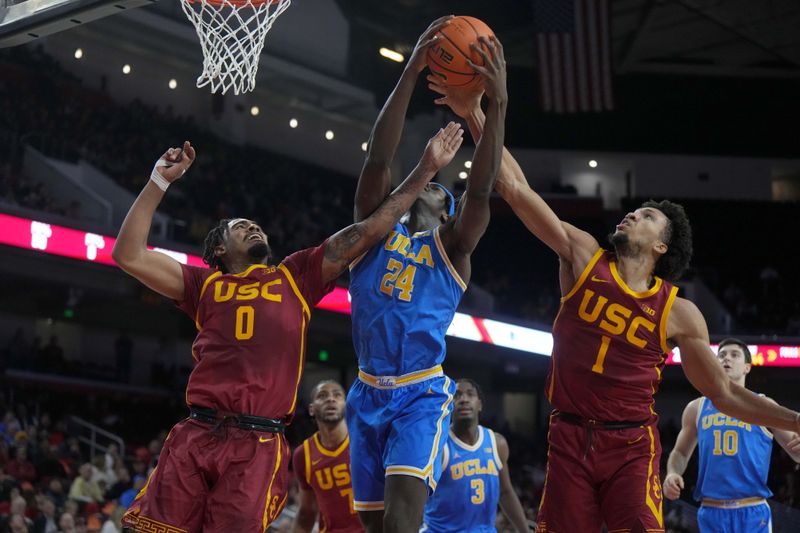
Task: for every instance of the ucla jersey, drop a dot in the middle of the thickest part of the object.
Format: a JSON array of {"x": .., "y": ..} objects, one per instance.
[
  {"x": 404, "y": 294},
  {"x": 466, "y": 498},
  {"x": 734, "y": 456}
]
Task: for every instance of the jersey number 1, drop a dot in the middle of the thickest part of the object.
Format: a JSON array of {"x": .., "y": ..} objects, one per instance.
[{"x": 601, "y": 355}]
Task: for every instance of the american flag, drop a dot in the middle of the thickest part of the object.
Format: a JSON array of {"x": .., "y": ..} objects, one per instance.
[{"x": 573, "y": 48}]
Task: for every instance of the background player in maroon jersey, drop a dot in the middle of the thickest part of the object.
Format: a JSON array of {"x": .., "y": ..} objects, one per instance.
[
  {"x": 224, "y": 468},
  {"x": 617, "y": 320},
  {"x": 322, "y": 467}
]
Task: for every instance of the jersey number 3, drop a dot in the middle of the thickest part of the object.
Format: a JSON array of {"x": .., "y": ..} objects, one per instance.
[{"x": 400, "y": 278}]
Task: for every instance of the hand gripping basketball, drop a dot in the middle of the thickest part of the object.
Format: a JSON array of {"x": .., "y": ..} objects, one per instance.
[
  {"x": 493, "y": 71},
  {"x": 172, "y": 165}
]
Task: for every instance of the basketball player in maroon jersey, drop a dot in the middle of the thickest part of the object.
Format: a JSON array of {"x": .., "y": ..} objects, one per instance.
[
  {"x": 225, "y": 468},
  {"x": 322, "y": 467},
  {"x": 619, "y": 317}
]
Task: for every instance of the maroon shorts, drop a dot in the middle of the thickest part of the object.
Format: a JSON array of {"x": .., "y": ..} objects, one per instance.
[
  {"x": 226, "y": 480},
  {"x": 615, "y": 482}
]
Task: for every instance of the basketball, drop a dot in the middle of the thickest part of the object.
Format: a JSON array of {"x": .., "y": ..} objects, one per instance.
[{"x": 447, "y": 58}]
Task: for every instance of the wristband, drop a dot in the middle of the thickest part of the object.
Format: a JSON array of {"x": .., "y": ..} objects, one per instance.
[{"x": 157, "y": 178}]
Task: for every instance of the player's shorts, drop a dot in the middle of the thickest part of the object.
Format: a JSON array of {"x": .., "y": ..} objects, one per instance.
[
  {"x": 735, "y": 516},
  {"x": 398, "y": 426},
  {"x": 615, "y": 481},
  {"x": 223, "y": 480}
]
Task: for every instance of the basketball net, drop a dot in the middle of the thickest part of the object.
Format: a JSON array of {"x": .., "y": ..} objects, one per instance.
[{"x": 232, "y": 34}]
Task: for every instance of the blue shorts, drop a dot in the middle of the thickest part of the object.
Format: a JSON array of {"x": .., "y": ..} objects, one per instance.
[
  {"x": 753, "y": 519},
  {"x": 398, "y": 426}
]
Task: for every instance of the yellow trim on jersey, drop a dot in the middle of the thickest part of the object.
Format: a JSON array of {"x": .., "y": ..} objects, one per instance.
[
  {"x": 662, "y": 325},
  {"x": 307, "y": 458},
  {"x": 445, "y": 412},
  {"x": 767, "y": 432},
  {"x": 395, "y": 382},
  {"x": 468, "y": 447},
  {"x": 654, "y": 507},
  {"x": 328, "y": 453},
  {"x": 653, "y": 386},
  {"x": 447, "y": 262},
  {"x": 368, "y": 506},
  {"x": 407, "y": 471},
  {"x": 585, "y": 274},
  {"x": 624, "y": 286},
  {"x": 358, "y": 259},
  {"x": 266, "y": 520},
  {"x": 733, "y": 504},
  {"x": 250, "y": 269},
  {"x": 146, "y": 483},
  {"x": 495, "y": 450},
  {"x": 200, "y": 298},
  {"x": 302, "y": 360},
  {"x": 700, "y": 410},
  {"x": 297, "y": 293}
]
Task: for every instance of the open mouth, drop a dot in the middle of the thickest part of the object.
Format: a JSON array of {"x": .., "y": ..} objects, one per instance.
[{"x": 255, "y": 237}]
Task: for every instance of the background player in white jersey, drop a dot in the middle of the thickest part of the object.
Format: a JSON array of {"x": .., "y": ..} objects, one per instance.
[
  {"x": 734, "y": 458},
  {"x": 475, "y": 475}
]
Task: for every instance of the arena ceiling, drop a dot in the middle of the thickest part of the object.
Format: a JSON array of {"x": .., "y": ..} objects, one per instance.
[{"x": 739, "y": 38}]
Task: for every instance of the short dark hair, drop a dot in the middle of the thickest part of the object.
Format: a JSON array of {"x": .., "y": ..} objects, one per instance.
[
  {"x": 748, "y": 358},
  {"x": 475, "y": 385},
  {"x": 214, "y": 239},
  {"x": 678, "y": 238},
  {"x": 313, "y": 394}
]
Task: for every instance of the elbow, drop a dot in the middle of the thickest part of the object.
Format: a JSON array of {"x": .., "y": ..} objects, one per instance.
[{"x": 721, "y": 396}]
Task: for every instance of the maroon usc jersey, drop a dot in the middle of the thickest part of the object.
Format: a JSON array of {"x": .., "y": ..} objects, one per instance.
[
  {"x": 609, "y": 345},
  {"x": 251, "y": 333},
  {"x": 327, "y": 473}
]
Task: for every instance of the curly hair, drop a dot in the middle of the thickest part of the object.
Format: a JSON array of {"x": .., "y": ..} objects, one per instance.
[
  {"x": 214, "y": 238},
  {"x": 678, "y": 238}
]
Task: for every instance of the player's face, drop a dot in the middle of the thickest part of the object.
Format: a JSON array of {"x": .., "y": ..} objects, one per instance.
[
  {"x": 434, "y": 200},
  {"x": 467, "y": 402},
  {"x": 642, "y": 229},
  {"x": 732, "y": 359},
  {"x": 246, "y": 238},
  {"x": 328, "y": 404}
]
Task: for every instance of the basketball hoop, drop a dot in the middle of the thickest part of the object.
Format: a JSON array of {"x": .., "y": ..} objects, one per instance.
[{"x": 232, "y": 34}]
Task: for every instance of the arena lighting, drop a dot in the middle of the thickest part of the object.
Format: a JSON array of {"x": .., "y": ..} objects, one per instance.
[
  {"x": 364, "y": 146},
  {"x": 391, "y": 54},
  {"x": 329, "y": 135},
  {"x": 173, "y": 83},
  {"x": 293, "y": 123},
  {"x": 94, "y": 248},
  {"x": 78, "y": 53},
  {"x": 126, "y": 69},
  {"x": 593, "y": 163},
  {"x": 467, "y": 164},
  {"x": 463, "y": 175},
  {"x": 255, "y": 110}
]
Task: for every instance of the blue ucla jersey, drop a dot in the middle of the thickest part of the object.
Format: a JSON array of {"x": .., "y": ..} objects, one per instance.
[
  {"x": 404, "y": 294},
  {"x": 734, "y": 456},
  {"x": 466, "y": 497}
]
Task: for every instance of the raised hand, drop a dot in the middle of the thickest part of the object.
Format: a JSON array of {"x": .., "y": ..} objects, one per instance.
[
  {"x": 178, "y": 161},
  {"x": 462, "y": 101},
  {"x": 493, "y": 71},
  {"x": 417, "y": 60},
  {"x": 672, "y": 486},
  {"x": 443, "y": 146}
]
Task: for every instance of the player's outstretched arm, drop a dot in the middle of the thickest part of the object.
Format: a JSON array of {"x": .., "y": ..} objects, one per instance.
[
  {"x": 307, "y": 512},
  {"x": 788, "y": 440},
  {"x": 684, "y": 447},
  {"x": 375, "y": 179},
  {"x": 461, "y": 235},
  {"x": 687, "y": 327},
  {"x": 570, "y": 243},
  {"x": 509, "y": 502},
  {"x": 156, "y": 270},
  {"x": 354, "y": 240}
]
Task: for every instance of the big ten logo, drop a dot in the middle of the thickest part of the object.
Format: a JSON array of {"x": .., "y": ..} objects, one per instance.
[
  {"x": 441, "y": 53},
  {"x": 40, "y": 232},
  {"x": 93, "y": 242},
  {"x": 227, "y": 290},
  {"x": 616, "y": 318},
  {"x": 338, "y": 475},
  {"x": 472, "y": 467},
  {"x": 397, "y": 242}
]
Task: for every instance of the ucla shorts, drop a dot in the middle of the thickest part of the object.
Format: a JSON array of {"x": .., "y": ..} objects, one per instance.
[
  {"x": 745, "y": 519},
  {"x": 398, "y": 426}
]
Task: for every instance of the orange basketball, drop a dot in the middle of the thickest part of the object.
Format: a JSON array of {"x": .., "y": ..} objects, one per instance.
[{"x": 447, "y": 58}]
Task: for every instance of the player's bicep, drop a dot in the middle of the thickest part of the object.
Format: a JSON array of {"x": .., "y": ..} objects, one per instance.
[
  {"x": 687, "y": 328},
  {"x": 373, "y": 187},
  {"x": 159, "y": 272},
  {"x": 471, "y": 221},
  {"x": 687, "y": 437}
]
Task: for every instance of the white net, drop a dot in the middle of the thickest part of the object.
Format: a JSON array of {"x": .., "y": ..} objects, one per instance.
[{"x": 232, "y": 34}]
